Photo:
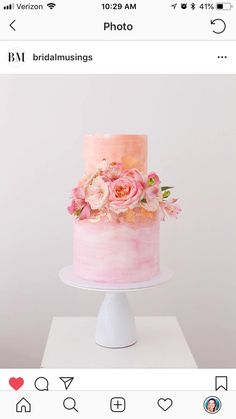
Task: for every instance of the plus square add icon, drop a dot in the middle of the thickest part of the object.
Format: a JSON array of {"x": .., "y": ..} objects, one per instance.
[{"x": 118, "y": 404}]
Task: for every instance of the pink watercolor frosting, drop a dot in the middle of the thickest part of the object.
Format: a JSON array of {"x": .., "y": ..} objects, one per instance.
[
  {"x": 117, "y": 253},
  {"x": 129, "y": 150}
]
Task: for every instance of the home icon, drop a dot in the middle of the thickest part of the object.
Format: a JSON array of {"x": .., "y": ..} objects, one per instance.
[{"x": 23, "y": 406}]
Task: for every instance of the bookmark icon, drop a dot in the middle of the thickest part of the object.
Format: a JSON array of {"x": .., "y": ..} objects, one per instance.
[{"x": 221, "y": 382}]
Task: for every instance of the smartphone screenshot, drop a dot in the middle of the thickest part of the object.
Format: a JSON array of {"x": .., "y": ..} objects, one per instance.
[{"x": 117, "y": 215}]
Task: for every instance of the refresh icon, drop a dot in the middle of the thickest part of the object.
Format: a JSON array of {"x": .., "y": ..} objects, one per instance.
[{"x": 221, "y": 23}]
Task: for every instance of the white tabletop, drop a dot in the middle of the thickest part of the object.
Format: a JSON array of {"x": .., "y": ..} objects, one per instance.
[{"x": 161, "y": 344}]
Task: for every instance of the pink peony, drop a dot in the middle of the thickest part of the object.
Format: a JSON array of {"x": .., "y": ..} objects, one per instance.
[
  {"x": 97, "y": 193},
  {"x": 169, "y": 209},
  {"x": 125, "y": 194}
]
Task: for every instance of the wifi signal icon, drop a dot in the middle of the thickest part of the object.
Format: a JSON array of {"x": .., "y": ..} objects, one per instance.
[{"x": 51, "y": 5}]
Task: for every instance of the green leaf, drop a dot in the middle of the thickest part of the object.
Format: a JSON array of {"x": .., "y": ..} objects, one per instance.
[
  {"x": 78, "y": 212},
  {"x": 165, "y": 188},
  {"x": 166, "y": 194}
]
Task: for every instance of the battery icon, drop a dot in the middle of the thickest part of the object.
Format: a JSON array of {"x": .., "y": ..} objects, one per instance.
[{"x": 224, "y": 6}]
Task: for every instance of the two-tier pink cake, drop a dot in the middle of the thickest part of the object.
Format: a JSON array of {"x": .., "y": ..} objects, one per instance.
[{"x": 117, "y": 209}]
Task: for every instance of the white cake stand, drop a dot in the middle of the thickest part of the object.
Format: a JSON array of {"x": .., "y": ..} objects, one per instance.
[{"x": 115, "y": 326}]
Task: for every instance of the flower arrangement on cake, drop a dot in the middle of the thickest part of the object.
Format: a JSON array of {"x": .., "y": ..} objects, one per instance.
[{"x": 116, "y": 194}]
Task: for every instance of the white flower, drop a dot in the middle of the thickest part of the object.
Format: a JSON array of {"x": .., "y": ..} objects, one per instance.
[
  {"x": 97, "y": 193},
  {"x": 103, "y": 165}
]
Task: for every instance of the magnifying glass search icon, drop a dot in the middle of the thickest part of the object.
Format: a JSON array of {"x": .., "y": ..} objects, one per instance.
[{"x": 70, "y": 404}]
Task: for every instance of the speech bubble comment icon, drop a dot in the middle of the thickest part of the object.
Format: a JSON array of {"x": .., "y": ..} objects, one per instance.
[{"x": 41, "y": 384}]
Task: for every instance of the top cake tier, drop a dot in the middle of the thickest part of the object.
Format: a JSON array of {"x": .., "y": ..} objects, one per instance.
[{"x": 130, "y": 150}]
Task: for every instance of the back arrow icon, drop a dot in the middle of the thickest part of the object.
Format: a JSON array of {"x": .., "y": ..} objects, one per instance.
[
  {"x": 213, "y": 22},
  {"x": 11, "y": 25}
]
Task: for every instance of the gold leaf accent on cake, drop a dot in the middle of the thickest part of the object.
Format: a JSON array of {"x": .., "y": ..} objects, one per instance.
[
  {"x": 129, "y": 162},
  {"x": 148, "y": 214},
  {"x": 138, "y": 214},
  {"x": 130, "y": 216}
]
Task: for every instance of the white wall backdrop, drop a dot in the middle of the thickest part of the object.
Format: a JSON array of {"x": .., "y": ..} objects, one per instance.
[{"x": 191, "y": 124}]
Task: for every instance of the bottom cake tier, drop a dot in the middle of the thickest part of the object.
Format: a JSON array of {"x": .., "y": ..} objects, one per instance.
[{"x": 116, "y": 252}]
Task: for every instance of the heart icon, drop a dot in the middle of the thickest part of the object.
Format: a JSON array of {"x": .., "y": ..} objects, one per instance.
[
  {"x": 165, "y": 404},
  {"x": 16, "y": 383}
]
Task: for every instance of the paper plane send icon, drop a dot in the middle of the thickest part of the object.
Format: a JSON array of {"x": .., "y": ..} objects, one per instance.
[{"x": 67, "y": 381}]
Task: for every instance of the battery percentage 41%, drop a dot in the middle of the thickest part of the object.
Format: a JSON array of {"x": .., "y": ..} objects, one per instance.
[{"x": 207, "y": 6}]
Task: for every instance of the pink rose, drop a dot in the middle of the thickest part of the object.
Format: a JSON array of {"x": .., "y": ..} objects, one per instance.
[
  {"x": 134, "y": 174},
  {"x": 169, "y": 209},
  {"x": 97, "y": 193},
  {"x": 125, "y": 194}
]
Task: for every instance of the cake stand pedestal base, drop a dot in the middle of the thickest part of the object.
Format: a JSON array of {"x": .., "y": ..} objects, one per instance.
[{"x": 115, "y": 327}]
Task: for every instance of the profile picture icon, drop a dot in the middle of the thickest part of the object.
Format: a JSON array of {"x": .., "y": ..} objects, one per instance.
[{"x": 212, "y": 405}]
